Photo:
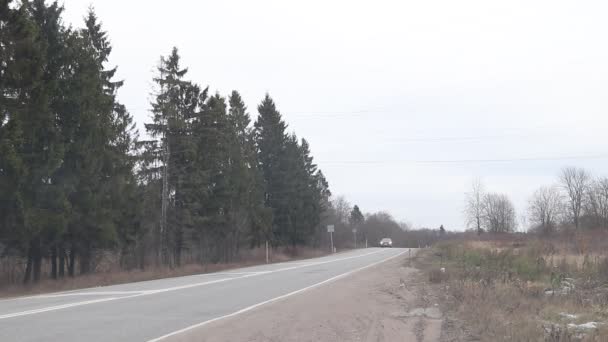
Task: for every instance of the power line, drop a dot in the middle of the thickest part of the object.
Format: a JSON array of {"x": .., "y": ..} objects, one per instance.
[
  {"x": 453, "y": 139},
  {"x": 460, "y": 161},
  {"x": 447, "y": 161}
]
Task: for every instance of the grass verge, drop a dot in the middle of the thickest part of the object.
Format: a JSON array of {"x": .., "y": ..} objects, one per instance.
[{"x": 521, "y": 290}]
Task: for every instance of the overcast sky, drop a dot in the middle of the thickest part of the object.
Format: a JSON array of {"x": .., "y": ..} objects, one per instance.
[{"x": 403, "y": 102}]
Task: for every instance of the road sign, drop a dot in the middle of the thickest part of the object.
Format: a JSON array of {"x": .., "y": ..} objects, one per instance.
[
  {"x": 330, "y": 228},
  {"x": 354, "y": 230}
]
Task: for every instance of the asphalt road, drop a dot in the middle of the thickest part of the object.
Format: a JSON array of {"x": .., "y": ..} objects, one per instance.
[{"x": 153, "y": 310}]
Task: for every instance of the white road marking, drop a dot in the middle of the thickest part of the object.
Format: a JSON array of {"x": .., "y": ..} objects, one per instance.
[
  {"x": 98, "y": 293},
  {"x": 235, "y": 273},
  {"x": 174, "y": 288},
  {"x": 59, "y": 307},
  {"x": 249, "y": 308}
]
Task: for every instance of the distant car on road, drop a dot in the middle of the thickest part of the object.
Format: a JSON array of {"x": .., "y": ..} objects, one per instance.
[{"x": 386, "y": 242}]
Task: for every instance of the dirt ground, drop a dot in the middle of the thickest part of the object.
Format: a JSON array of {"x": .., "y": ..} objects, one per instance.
[{"x": 388, "y": 302}]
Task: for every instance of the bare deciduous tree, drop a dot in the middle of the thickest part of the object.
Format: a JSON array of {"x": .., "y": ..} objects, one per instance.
[
  {"x": 596, "y": 203},
  {"x": 575, "y": 182},
  {"x": 474, "y": 206},
  {"x": 342, "y": 209},
  {"x": 498, "y": 214},
  {"x": 545, "y": 208}
]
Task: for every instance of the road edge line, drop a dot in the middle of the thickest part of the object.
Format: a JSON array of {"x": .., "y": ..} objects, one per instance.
[{"x": 275, "y": 299}]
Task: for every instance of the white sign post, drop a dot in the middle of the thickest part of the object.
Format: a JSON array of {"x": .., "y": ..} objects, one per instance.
[
  {"x": 355, "y": 233},
  {"x": 330, "y": 230}
]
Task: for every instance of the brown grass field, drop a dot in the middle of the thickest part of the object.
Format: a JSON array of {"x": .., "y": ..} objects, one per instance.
[{"x": 523, "y": 287}]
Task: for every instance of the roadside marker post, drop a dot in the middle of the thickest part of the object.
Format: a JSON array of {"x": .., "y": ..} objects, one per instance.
[{"x": 330, "y": 230}]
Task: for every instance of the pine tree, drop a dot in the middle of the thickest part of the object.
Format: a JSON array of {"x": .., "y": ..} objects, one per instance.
[
  {"x": 36, "y": 201},
  {"x": 248, "y": 215},
  {"x": 271, "y": 140},
  {"x": 16, "y": 36},
  {"x": 173, "y": 150},
  {"x": 312, "y": 193},
  {"x": 296, "y": 194},
  {"x": 356, "y": 217},
  {"x": 325, "y": 206},
  {"x": 120, "y": 141},
  {"x": 240, "y": 174},
  {"x": 307, "y": 193},
  {"x": 213, "y": 134},
  {"x": 98, "y": 136}
]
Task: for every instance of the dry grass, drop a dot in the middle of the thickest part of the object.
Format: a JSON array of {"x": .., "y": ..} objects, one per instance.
[
  {"x": 110, "y": 274},
  {"x": 498, "y": 287}
]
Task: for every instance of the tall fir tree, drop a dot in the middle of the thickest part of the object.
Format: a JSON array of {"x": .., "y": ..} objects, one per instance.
[
  {"x": 120, "y": 140},
  {"x": 97, "y": 131},
  {"x": 37, "y": 202},
  {"x": 248, "y": 216},
  {"x": 213, "y": 133},
  {"x": 271, "y": 141},
  {"x": 173, "y": 149}
]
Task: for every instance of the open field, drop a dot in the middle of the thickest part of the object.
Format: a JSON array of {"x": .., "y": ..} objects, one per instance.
[{"x": 522, "y": 288}]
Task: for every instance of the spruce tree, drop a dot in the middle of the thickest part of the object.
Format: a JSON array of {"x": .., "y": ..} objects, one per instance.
[
  {"x": 212, "y": 132},
  {"x": 36, "y": 200},
  {"x": 16, "y": 35},
  {"x": 97, "y": 133},
  {"x": 296, "y": 194},
  {"x": 356, "y": 217},
  {"x": 312, "y": 194},
  {"x": 271, "y": 140},
  {"x": 173, "y": 150},
  {"x": 119, "y": 142},
  {"x": 248, "y": 215}
]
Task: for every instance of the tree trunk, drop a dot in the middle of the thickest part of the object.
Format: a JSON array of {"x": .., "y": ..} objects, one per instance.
[
  {"x": 54, "y": 262},
  {"x": 37, "y": 264},
  {"x": 85, "y": 261},
  {"x": 201, "y": 258},
  {"x": 71, "y": 261},
  {"x": 178, "y": 247},
  {"x": 61, "y": 262},
  {"x": 28, "y": 269}
]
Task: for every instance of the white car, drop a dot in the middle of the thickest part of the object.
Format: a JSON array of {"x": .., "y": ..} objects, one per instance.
[{"x": 386, "y": 242}]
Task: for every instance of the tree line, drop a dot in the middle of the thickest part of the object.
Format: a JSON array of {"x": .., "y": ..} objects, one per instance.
[
  {"x": 576, "y": 201},
  {"x": 78, "y": 182},
  {"x": 353, "y": 228}
]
